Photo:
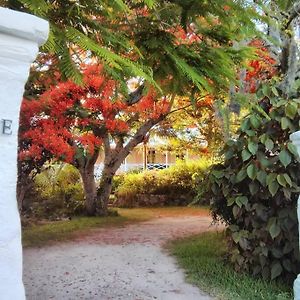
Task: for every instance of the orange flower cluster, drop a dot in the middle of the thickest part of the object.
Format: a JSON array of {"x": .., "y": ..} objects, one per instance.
[
  {"x": 207, "y": 101},
  {"x": 68, "y": 115},
  {"x": 261, "y": 69}
]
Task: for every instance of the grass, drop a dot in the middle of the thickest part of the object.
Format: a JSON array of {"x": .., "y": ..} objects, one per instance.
[
  {"x": 202, "y": 258},
  {"x": 58, "y": 231}
]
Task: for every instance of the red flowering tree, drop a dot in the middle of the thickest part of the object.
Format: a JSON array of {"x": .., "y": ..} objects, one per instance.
[
  {"x": 71, "y": 123},
  {"x": 185, "y": 49},
  {"x": 261, "y": 69}
]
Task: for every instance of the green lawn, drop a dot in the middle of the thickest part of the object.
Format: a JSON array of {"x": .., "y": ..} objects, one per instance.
[
  {"x": 201, "y": 257},
  {"x": 52, "y": 232}
]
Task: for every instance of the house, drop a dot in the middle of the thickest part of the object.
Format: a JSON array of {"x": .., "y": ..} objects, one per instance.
[{"x": 155, "y": 154}]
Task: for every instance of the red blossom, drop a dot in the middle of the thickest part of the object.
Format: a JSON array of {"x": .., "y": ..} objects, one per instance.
[
  {"x": 260, "y": 69},
  {"x": 63, "y": 118}
]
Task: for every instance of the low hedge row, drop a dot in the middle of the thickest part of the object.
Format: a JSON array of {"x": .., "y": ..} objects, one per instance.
[{"x": 177, "y": 185}]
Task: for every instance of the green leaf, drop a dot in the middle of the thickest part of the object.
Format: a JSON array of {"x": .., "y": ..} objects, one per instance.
[
  {"x": 241, "y": 175},
  {"x": 241, "y": 200},
  {"x": 275, "y": 92},
  {"x": 253, "y": 187},
  {"x": 269, "y": 144},
  {"x": 251, "y": 171},
  {"x": 190, "y": 72},
  {"x": 245, "y": 155},
  {"x": 271, "y": 177},
  {"x": 245, "y": 125},
  {"x": 285, "y": 123},
  {"x": 38, "y": 7},
  {"x": 235, "y": 211},
  {"x": 263, "y": 138},
  {"x": 218, "y": 174},
  {"x": 291, "y": 110},
  {"x": 262, "y": 177},
  {"x": 292, "y": 148},
  {"x": 285, "y": 158},
  {"x": 229, "y": 154},
  {"x": 236, "y": 237},
  {"x": 230, "y": 201},
  {"x": 281, "y": 180},
  {"x": 266, "y": 90},
  {"x": 276, "y": 270},
  {"x": 252, "y": 147},
  {"x": 274, "y": 228},
  {"x": 250, "y": 132},
  {"x": 255, "y": 122},
  {"x": 273, "y": 187},
  {"x": 287, "y": 179}
]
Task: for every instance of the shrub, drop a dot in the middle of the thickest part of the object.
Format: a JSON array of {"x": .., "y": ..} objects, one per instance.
[
  {"x": 255, "y": 192},
  {"x": 57, "y": 193},
  {"x": 173, "y": 186}
]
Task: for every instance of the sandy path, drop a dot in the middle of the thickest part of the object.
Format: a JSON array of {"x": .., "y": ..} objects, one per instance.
[{"x": 126, "y": 263}]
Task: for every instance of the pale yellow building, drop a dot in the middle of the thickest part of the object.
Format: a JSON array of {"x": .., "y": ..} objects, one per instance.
[{"x": 149, "y": 156}]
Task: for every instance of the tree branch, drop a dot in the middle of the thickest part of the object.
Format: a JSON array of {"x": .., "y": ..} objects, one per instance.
[
  {"x": 293, "y": 13},
  {"x": 107, "y": 149}
]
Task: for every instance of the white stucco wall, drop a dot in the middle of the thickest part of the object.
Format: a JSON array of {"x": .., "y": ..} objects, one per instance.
[
  {"x": 20, "y": 36},
  {"x": 295, "y": 138}
]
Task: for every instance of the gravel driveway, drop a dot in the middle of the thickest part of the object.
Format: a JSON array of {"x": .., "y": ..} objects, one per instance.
[{"x": 126, "y": 263}]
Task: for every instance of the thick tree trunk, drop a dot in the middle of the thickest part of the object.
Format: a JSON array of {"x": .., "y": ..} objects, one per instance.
[
  {"x": 104, "y": 189},
  {"x": 23, "y": 186},
  {"x": 115, "y": 157},
  {"x": 90, "y": 190}
]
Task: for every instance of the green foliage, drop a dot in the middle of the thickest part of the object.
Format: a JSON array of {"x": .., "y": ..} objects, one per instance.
[
  {"x": 57, "y": 193},
  {"x": 202, "y": 257},
  {"x": 138, "y": 38},
  {"x": 255, "y": 192},
  {"x": 173, "y": 186},
  {"x": 118, "y": 180},
  {"x": 206, "y": 65},
  {"x": 75, "y": 26}
]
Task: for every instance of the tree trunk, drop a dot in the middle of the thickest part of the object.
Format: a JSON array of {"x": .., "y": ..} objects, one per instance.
[
  {"x": 113, "y": 160},
  {"x": 90, "y": 190},
  {"x": 104, "y": 190},
  {"x": 23, "y": 187}
]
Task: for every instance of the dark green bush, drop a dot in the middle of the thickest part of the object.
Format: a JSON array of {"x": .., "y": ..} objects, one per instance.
[
  {"x": 255, "y": 192},
  {"x": 57, "y": 192},
  {"x": 173, "y": 186}
]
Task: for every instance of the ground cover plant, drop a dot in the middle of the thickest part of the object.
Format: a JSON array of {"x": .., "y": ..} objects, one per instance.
[
  {"x": 202, "y": 258},
  {"x": 175, "y": 185}
]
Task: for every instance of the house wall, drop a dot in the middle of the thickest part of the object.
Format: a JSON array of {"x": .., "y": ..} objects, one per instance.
[{"x": 135, "y": 159}]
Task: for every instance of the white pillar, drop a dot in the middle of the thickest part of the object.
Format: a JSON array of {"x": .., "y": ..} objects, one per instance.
[
  {"x": 145, "y": 162},
  {"x": 20, "y": 36},
  {"x": 295, "y": 138},
  {"x": 167, "y": 158},
  {"x": 125, "y": 164}
]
